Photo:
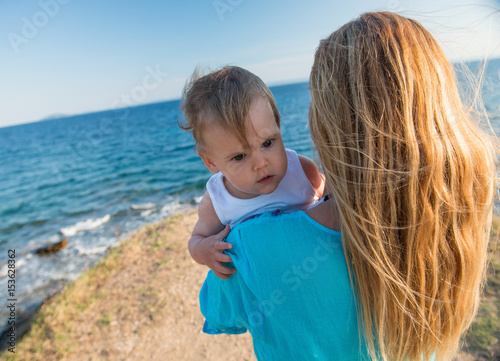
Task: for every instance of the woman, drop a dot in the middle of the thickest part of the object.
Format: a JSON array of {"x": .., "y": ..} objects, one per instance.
[{"x": 390, "y": 266}]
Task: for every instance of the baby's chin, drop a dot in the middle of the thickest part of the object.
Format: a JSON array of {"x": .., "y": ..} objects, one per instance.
[{"x": 268, "y": 191}]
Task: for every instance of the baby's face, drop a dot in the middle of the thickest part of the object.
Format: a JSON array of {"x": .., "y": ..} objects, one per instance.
[{"x": 248, "y": 172}]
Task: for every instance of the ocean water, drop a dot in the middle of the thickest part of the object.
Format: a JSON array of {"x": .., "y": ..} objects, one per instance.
[{"x": 93, "y": 178}]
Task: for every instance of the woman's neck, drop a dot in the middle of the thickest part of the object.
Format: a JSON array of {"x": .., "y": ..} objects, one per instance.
[{"x": 326, "y": 214}]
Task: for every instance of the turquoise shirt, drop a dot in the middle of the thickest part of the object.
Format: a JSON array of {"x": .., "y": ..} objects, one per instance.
[{"x": 291, "y": 290}]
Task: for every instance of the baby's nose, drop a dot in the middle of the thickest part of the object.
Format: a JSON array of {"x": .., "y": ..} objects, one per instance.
[{"x": 260, "y": 161}]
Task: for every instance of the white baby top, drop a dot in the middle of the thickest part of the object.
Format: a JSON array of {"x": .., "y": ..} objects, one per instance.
[{"x": 294, "y": 193}]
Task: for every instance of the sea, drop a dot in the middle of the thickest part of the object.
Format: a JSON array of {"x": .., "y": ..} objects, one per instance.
[{"x": 93, "y": 178}]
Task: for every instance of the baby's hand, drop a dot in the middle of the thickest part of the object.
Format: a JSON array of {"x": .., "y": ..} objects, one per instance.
[{"x": 211, "y": 251}]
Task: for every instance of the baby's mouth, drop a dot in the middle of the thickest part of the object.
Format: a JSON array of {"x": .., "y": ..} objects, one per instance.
[{"x": 266, "y": 179}]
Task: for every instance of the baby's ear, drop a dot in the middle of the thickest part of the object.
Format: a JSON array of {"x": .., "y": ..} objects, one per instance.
[{"x": 209, "y": 163}]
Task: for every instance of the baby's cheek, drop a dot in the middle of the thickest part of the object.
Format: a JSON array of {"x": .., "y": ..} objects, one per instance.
[
  {"x": 283, "y": 161},
  {"x": 236, "y": 169}
]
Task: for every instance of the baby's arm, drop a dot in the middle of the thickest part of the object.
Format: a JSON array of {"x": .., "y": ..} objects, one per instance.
[
  {"x": 316, "y": 179},
  {"x": 205, "y": 245}
]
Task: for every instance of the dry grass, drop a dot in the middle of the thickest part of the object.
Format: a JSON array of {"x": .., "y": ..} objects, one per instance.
[{"x": 140, "y": 302}]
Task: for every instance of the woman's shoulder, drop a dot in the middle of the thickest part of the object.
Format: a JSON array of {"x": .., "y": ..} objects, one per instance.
[
  {"x": 271, "y": 217},
  {"x": 258, "y": 245},
  {"x": 276, "y": 222}
]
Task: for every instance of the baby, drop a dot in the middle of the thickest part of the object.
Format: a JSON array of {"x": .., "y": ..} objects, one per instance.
[{"x": 235, "y": 122}]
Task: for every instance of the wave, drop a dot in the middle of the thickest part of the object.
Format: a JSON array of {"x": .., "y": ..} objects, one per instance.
[
  {"x": 146, "y": 212},
  {"x": 13, "y": 227},
  {"x": 143, "y": 206},
  {"x": 5, "y": 267},
  {"x": 78, "y": 213},
  {"x": 93, "y": 250},
  {"x": 85, "y": 225},
  {"x": 170, "y": 208}
]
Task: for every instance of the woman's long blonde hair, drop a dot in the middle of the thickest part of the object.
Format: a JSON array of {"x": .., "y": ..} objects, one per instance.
[{"x": 413, "y": 178}]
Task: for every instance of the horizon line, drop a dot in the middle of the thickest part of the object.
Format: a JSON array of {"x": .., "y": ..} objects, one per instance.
[{"x": 278, "y": 83}]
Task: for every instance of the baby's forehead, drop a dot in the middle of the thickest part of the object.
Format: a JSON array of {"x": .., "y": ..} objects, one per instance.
[
  {"x": 216, "y": 132},
  {"x": 261, "y": 130},
  {"x": 250, "y": 126}
]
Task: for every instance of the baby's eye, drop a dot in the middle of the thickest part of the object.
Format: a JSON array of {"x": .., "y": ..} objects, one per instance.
[
  {"x": 267, "y": 143},
  {"x": 239, "y": 157}
]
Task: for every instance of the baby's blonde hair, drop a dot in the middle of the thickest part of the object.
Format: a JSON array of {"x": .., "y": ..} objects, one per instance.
[
  {"x": 413, "y": 178},
  {"x": 222, "y": 97}
]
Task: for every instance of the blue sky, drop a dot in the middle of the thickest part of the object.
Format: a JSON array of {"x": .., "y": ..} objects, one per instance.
[{"x": 77, "y": 56}]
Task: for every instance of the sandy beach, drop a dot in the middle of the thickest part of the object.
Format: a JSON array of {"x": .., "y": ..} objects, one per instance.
[{"x": 138, "y": 303}]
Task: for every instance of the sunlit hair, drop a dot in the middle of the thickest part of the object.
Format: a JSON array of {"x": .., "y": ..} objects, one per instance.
[
  {"x": 222, "y": 97},
  {"x": 413, "y": 180}
]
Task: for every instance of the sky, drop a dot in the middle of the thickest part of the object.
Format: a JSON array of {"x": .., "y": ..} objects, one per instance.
[{"x": 67, "y": 57}]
